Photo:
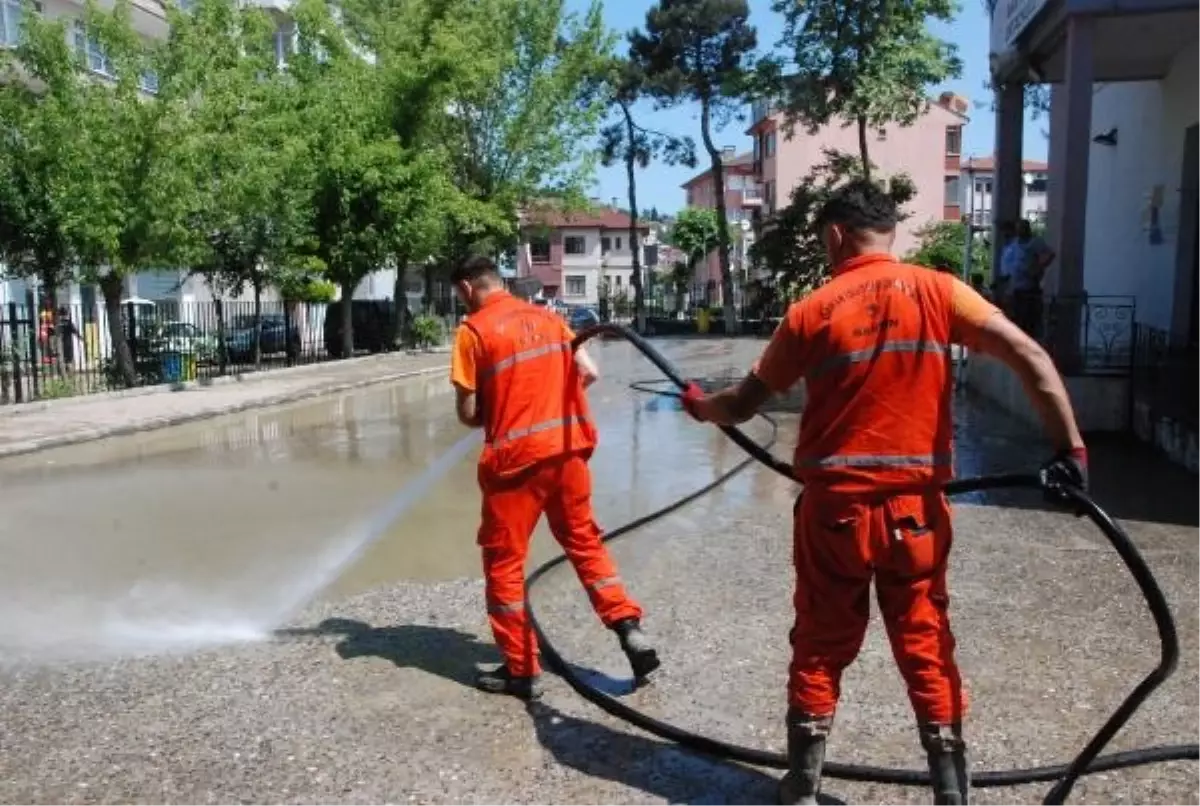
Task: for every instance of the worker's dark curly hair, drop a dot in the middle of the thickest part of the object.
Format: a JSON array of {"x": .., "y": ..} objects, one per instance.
[
  {"x": 473, "y": 269},
  {"x": 861, "y": 205}
]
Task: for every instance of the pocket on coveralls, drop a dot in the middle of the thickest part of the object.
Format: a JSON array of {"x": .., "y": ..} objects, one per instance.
[{"x": 915, "y": 525}]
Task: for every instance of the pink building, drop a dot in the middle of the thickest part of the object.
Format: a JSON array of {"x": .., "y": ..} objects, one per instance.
[
  {"x": 743, "y": 198},
  {"x": 929, "y": 151},
  {"x": 575, "y": 256}
]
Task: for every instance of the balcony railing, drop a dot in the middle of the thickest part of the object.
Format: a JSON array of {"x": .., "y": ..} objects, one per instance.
[
  {"x": 1090, "y": 335},
  {"x": 752, "y": 196}
]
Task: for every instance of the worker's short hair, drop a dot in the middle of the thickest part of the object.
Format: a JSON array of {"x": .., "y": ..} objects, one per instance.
[
  {"x": 474, "y": 269},
  {"x": 860, "y": 205}
]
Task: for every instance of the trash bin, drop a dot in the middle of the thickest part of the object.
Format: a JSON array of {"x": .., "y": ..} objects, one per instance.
[
  {"x": 189, "y": 366},
  {"x": 172, "y": 367},
  {"x": 702, "y": 320}
]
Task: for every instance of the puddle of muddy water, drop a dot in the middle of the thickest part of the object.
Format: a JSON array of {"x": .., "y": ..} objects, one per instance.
[{"x": 214, "y": 531}]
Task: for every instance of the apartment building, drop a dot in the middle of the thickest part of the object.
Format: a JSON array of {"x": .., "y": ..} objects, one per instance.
[
  {"x": 578, "y": 256},
  {"x": 978, "y": 183},
  {"x": 743, "y": 198},
  {"x": 929, "y": 151}
]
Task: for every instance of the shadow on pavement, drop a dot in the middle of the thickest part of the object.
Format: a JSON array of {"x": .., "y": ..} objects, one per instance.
[
  {"x": 449, "y": 653},
  {"x": 659, "y": 769}
]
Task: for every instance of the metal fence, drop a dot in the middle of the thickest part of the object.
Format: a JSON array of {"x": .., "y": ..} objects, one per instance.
[
  {"x": 1090, "y": 335},
  {"x": 69, "y": 350},
  {"x": 1166, "y": 376}
]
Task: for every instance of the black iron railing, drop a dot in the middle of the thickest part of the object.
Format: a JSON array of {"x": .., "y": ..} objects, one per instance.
[
  {"x": 70, "y": 350},
  {"x": 1089, "y": 335},
  {"x": 1166, "y": 376}
]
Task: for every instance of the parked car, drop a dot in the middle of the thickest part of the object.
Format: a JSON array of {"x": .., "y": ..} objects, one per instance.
[
  {"x": 184, "y": 337},
  {"x": 371, "y": 320},
  {"x": 579, "y": 318},
  {"x": 277, "y": 337}
]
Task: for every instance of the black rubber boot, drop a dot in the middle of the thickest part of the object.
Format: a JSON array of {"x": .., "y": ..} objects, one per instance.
[
  {"x": 642, "y": 657},
  {"x": 501, "y": 681},
  {"x": 947, "y": 755},
  {"x": 806, "y": 735}
]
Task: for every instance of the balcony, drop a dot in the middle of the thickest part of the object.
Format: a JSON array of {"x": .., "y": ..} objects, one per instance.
[
  {"x": 759, "y": 110},
  {"x": 752, "y": 197}
]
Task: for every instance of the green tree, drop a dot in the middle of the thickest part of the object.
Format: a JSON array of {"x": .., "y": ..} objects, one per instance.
[
  {"x": 522, "y": 116},
  {"x": 943, "y": 244},
  {"x": 634, "y": 145},
  {"x": 116, "y": 182},
  {"x": 696, "y": 232},
  {"x": 869, "y": 63},
  {"x": 246, "y": 151},
  {"x": 792, "y": 247},
  {"x": 702, "y": 51}
]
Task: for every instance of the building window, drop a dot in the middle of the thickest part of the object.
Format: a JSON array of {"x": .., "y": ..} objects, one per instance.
[
  {"x": 287, "y": 41},
  {"x": 148, "y": 82},
  {"x": 91, "y": 52},
  {"x": 1037, "y": 184},
  {"x": 539, "y": 250},
  {"x": 605, "y": 245},
  {"x": 576, "y": 285},
  {"x": 617, "y": 280},
  {"x": 953, "y": 194},
  {"x": 575, "y": 245},
  {"x": 757, "y": 150},
  {"x": 979, "y": 187},
  {"x": 11, "y": 12},
  {"x": 769, "y": 200},
  {"x": 953, "y": 140},
  {"x": 618, "y": 239},
  {"x": 770, "y": 149},
  {"x": 689, "y": 198}
]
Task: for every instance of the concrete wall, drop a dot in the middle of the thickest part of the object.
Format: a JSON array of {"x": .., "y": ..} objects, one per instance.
[
  {"x": 1101, "y": 403},
  {"x": 1124, "y": 254}
]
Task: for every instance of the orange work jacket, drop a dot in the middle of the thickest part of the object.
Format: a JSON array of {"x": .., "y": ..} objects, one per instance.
[
  {"x": 878, "y": 372},
  {"x": 532, "y": 399}
]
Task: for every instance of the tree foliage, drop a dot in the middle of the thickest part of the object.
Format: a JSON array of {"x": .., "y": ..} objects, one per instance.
[
  {"x": 942, "y": 245},
  {"x": 624, "y": 140},
  {"x": 868, "y": 63},
  {"x": 702, "y": 51},
  {"x": 791, "y": 247}
]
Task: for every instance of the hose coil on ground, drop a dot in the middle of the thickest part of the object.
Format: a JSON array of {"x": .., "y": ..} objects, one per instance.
[{"x": 1064, "y": 776}]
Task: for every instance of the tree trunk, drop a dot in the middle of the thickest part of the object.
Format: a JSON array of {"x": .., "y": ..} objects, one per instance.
[
  {"x": 864, "y": 153},
  {"x": 635, "y": 249},
  {"x": 718, "y": 167},
  {"x": 258, "y": 325},
  {"x": 428, "y": 282},
  {"x": 347, "y": 307},
  {"x": 400, "y": 298},
  {"x": 110, "y": 286}
]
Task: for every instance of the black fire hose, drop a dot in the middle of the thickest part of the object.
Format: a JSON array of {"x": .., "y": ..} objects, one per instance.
[{"x": 1089, "y": 759}]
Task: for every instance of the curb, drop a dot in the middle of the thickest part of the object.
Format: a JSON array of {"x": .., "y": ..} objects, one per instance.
[
  {"x": 19, "y": 409},
  {"x": 155, "y": 423}
]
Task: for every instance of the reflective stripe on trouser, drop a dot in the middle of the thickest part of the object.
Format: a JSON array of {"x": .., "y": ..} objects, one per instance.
[
  {"x": 562, "y": 488},
  {"x": 536, "y": 428},
  {"x": 898, "y": 346},
  {"x": 840, "y": 542}
]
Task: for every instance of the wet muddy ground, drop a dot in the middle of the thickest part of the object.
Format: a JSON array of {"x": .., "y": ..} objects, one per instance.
[{"x": 144, "y": 578}]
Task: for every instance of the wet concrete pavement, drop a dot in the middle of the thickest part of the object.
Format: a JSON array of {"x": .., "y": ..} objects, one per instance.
[{"x": 205, "y": 537}]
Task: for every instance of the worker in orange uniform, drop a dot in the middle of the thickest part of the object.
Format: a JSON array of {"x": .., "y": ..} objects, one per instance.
[
  {"x": 874, "y": 348},
  {"x": 517, "y": 378}
]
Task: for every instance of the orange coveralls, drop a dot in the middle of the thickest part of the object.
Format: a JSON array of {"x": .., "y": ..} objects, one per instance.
[
  {"x": 538, "y": 436},
  {"x": 873, "y": 346}
]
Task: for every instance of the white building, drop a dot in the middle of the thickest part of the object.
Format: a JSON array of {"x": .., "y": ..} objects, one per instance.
[
  {"x": 978, "y": 180},
  {"x": 1122, "y": 204}
]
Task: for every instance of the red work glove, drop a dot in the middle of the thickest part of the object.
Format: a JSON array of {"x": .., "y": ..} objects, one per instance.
[{"x": 691, "y": 398}]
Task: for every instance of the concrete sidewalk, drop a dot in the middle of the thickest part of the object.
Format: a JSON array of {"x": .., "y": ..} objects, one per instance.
[{"x": 55, "y": 423}]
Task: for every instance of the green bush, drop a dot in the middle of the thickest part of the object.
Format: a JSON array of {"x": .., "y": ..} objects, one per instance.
[
  {"x": 426, "y": 331},
  {"x": 310, "y": 290},
  {"x": 58, "y": 388}
]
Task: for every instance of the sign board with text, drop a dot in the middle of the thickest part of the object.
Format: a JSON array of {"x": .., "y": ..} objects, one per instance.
[{"x": 1010, "y": 18}]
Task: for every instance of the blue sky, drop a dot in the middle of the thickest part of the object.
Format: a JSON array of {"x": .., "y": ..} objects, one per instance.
[{"x": 659, "y": 185}]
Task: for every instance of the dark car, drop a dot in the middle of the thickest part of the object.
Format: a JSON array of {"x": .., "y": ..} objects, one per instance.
[
  {"x": 371, "y": 321},
  {"x": 277, "y": 336},
  {"x": 579, "y": 318}
]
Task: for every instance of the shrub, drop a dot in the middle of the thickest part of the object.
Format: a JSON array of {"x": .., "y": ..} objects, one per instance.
[{"x": 427, "y": 331}]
